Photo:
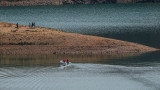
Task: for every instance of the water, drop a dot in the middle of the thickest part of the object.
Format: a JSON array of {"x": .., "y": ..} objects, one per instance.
[
  {"x": 124, "y": 59},
  {"x": 80, "y": 77},
  {"x": 86, "y": 72},
  {"x": 138, "y": 23}
]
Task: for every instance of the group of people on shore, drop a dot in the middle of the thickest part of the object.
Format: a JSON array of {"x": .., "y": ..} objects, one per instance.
[{"x": 31, "y": 25}]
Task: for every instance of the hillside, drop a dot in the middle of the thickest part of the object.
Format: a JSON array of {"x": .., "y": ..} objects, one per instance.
[{"x": 26, "y": 40}]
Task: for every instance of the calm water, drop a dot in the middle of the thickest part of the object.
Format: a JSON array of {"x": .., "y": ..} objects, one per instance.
[
  {"x": 131, "y": 22},
  {"x": 138, "y": 23},
  {"x": 86, "y": 72},
  {"x": 130, "y": 59}
]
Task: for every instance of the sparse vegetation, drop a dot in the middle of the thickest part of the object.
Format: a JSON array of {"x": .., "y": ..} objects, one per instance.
[{"x": 48, "y": 41}]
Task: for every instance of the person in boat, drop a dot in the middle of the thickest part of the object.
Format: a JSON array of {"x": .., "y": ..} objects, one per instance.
[{"x": 66, "y": 61}]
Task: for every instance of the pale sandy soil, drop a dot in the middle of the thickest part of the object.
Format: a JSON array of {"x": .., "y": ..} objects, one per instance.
[{"x": 25, "y": 40}]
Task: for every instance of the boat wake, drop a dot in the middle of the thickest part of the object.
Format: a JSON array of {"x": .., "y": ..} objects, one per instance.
[{"x": 84, "y": 76}]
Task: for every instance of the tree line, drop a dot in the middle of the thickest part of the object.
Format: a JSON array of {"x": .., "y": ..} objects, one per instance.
[{"x": 95, "y": 1}]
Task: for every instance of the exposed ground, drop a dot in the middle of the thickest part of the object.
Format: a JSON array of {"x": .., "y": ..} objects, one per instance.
[{"x": 26, "y": 40}]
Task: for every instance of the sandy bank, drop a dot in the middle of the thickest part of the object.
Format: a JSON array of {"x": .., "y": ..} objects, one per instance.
[{"x": 26, "y": 40}]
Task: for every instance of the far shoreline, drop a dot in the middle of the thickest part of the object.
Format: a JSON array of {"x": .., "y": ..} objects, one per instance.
[{"x": 61, "y": 2}]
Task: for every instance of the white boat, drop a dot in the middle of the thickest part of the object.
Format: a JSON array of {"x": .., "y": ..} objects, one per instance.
[{"x": 63, "y": 63}]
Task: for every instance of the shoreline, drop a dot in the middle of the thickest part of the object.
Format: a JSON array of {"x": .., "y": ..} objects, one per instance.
[
  {"x": 71, "y": 2},
  {"x": 38, "y": 40},
  {"x": 63, "y": 50}
]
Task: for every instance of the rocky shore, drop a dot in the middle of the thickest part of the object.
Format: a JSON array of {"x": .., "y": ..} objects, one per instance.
[{"x": 38, "y": 40}]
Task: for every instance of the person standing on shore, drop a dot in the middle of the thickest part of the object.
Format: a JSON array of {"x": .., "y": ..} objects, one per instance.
[
  {"x": 17, "y": 26},
  {"x": 33, "y": 25}
]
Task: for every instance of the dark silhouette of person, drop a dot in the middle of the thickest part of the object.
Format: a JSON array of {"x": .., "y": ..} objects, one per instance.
[
  {"x": 33, "y": 24},
  {"x": 17, "y": 26}
]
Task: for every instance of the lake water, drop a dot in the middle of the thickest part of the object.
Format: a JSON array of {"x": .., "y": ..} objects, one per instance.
[
  {"x": 131, "y": 22},
  {"x": 86, "y": 72},
  {"x": 138, "y": 23}
]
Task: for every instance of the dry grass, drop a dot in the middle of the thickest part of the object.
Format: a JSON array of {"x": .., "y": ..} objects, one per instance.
[{"x": 50, "y": 41}]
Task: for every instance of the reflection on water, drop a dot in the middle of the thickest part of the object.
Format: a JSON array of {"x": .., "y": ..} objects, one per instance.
[
  {"x": 146, "y": 59},
  {"x": 53, "y": 60}
]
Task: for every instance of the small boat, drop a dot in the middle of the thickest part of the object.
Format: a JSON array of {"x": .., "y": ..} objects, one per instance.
[{"x": 65, "y": 62}]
